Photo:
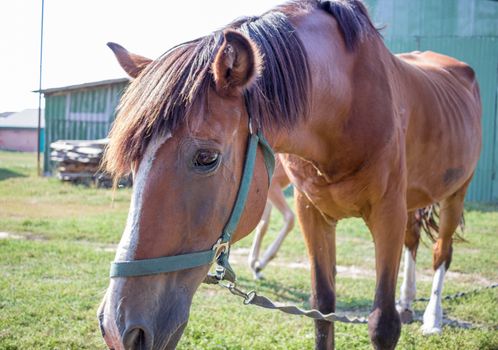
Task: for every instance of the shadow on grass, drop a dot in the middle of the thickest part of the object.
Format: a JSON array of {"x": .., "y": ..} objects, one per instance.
[
  {"x": 7, "y": 174},
  {"x": 453, "y": 322},
  {"x": 280, "y": 291},
  {"x": 293, "y": 295}
]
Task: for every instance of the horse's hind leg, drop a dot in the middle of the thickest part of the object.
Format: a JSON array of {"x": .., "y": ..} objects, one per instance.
[
  {"x": 261, "y": 230},
  {"x": 450, "y": 213},
  {"x": 319, "y": 236},
  {"x": 408, "y": 288},
  {"x": 278, "y": 200}
]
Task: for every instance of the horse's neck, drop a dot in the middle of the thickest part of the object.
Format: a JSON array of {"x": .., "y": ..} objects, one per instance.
[{"x": 351, "y": 116}]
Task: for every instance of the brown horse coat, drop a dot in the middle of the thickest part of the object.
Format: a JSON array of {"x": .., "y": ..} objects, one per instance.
[{"x": 366, "y": 134}]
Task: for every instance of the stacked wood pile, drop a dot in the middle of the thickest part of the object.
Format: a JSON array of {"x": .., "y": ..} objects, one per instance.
[{"x": 79, "y": 162}]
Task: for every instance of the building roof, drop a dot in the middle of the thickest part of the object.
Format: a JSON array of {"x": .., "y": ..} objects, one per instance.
[
  {"x": 5, "y": 114},
  {"x": 83, "y": 86},
  {"x": 26, "y": 119}
]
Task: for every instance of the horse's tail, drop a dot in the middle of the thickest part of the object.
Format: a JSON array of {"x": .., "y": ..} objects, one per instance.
[{"x": 428, "y": 219}]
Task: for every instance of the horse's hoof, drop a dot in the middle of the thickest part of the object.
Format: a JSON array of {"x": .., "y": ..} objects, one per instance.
[
  {"x": 257, "y": 275},
  {"x": 431, "y": 330},
  {"x": 406, "y": 316}
]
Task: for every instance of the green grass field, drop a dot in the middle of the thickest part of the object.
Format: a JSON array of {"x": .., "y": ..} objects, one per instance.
[{"x": 53, "y": 274}]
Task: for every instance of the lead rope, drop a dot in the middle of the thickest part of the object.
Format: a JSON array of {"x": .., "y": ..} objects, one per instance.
[
  {"x": 252, "y": 298},
  {"x": 461, "y": 294}
]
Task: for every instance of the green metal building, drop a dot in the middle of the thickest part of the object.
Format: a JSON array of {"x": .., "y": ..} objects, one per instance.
[
  {"x": 80, "y": 112},
  {"x": 464, "y": 29}
]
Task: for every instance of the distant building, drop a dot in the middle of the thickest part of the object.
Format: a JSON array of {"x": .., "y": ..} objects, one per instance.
[
  {"x": 5, "y": 114},
  {"x": 19, "y": 130},
  {"x": 80, "y": 112}
]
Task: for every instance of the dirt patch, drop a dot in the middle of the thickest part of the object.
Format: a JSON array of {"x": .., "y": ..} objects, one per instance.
[
  {"x": 26, "y": 236},
  {"x": 239, "y": 256},
  {"x": 110, "y": 248},
  {"x": 101, "y": 247}
]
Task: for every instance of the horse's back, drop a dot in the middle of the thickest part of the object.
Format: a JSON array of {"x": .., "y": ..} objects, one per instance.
[{"x": 459, "y": 69}]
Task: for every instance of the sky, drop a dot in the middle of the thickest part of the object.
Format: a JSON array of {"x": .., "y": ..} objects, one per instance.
[{"x": 76, "y": 33}]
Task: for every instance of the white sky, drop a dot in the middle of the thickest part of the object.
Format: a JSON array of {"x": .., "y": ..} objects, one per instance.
[{"x": 76, "y": 33}]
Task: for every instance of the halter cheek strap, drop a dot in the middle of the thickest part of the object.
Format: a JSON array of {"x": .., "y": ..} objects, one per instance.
[{"x": 220, "y": 252}]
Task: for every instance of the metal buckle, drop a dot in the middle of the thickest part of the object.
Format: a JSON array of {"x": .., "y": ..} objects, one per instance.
[
  {"x": 250, "y": 126},
  {"x": 219, "y": 248},
  {"x": 232, "y": 287}
]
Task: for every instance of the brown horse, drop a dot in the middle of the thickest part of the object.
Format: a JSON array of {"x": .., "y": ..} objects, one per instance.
[
  {"x": 276, "y": 198},
  {"x": 366, "y": 133}
]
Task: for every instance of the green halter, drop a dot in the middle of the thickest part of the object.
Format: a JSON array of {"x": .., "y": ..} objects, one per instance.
[{"x": 220, "y": 252}]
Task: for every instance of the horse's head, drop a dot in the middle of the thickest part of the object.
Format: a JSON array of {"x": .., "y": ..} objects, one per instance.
[{"x": 182, "y": 130}]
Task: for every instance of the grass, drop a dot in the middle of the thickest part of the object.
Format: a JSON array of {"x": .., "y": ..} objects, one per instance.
[
  {"x": 51, "y": 282},
  {"x": 55, "y": 210}
]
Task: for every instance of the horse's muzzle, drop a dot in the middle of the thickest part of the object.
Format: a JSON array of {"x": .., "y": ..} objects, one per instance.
[
  {"x": 128, "y": 327},
  {"x": 140, "y": 338}
]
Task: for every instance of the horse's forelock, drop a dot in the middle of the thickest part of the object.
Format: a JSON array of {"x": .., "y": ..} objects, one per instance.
[{"x": 156, "y": 103}]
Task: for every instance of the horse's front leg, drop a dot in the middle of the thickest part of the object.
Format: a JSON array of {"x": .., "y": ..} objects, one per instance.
[
  {"x": 319, "y": 235},
  {"x": 261, "y": 229},
  {"x": 387, "y": 222},
  {"x": 277, "y": 198},
  {"x": 408, "y": 287}
]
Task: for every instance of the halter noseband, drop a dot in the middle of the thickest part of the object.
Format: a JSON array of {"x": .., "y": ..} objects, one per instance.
[{"x": 220, "y": 251}]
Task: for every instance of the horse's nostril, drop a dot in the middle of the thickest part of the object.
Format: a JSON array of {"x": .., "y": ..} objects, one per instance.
[{"x": 134, "y": 339}]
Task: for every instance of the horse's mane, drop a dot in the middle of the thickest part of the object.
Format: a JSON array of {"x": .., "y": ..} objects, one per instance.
[
  {"x": 352, "y": 18},
  {"x": 169, "y": 90}
]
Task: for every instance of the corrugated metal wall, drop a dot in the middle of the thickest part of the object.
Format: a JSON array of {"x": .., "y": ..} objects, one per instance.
[
  {"x": 84, "y": 114},
  {"x": 467, "y": 30}
]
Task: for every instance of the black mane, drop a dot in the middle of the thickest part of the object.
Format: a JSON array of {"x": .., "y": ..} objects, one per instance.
[
  {"x": 352, "y": 17},
  {"x": 279, "y": 97}
]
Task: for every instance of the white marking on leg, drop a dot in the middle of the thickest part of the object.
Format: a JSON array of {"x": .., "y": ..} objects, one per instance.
[
  {"x": 409, "y": 286},
  {"x": 433, "y": 315},
  {"x": 258, "y": 238},
  {"x": 272, "y": 250},
  {"x": 408, "y": 289}
]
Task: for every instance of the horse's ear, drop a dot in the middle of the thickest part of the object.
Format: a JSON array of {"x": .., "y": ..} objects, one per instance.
[
  {"x": 131, "y": 63},
  {"x": 237, "y": 63}
]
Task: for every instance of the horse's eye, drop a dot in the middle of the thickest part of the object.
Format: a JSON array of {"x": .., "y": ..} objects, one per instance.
[{"x": 206, "y": 160}]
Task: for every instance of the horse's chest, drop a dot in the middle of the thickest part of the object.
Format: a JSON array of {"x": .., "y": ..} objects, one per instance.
[
  {"x": 337, "y": 200},
  {"x": 340, "y": 200}
]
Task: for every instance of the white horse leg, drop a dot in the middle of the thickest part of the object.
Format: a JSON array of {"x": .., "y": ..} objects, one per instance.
[
  {"x": 258, "y": 238},
  {"x": 450, "y": 216},
  {"x": 433, "y": 315},
  {"x": 408, "y": 289},
  {"x": 289, "y": 219}
]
